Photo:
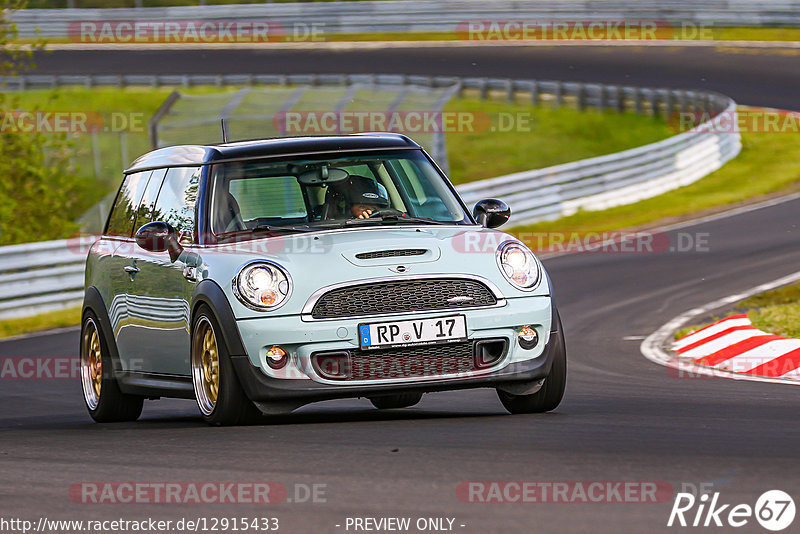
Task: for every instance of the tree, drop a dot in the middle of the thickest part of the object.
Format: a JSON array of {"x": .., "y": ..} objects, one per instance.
[{"x": 41, "y": 193}]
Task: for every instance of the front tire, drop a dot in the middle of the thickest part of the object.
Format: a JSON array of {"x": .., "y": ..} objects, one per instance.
[
  {"x": 552, "y": 391},
  {"x": 401, "y": 400},
  {"x": 101, "y": 393},
  {"x": 220, "y": 398}
]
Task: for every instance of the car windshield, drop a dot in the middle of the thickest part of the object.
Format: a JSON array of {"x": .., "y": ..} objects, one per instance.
[{"x": 322, "y": 192}]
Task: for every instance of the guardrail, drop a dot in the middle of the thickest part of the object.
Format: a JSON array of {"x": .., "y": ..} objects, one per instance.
[
  {"x": 426, "y": 15},
  {"x": 39, "y": 277},
  {"x": 612, "y": 180}
]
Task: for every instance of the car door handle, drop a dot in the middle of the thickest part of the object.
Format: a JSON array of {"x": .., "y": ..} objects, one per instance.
[{"x": 131, "y": 269}]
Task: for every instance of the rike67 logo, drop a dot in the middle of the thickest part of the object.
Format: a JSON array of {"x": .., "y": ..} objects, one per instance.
[{"x": 774, "y": 510}]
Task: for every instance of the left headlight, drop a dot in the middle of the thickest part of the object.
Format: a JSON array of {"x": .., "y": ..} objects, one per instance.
[
  {"x": 262, "y": 286},
  {"x": 518, "y": 265}
]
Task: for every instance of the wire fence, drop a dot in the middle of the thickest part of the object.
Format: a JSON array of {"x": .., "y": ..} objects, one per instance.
[
  {"x": 276, "y": 111},
  {"x": 40, "y": 277}
]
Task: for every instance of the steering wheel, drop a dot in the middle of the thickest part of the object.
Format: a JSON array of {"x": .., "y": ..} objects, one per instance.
[{"x": 383, "y": 212}]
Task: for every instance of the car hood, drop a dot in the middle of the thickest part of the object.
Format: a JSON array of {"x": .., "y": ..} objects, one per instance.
[{"x": 320, "y": 259}]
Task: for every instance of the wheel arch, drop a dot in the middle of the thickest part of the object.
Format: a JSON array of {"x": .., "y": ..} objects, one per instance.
[
  {"x": 209, "y": 293},
  {"x": 93, "y": 301}
]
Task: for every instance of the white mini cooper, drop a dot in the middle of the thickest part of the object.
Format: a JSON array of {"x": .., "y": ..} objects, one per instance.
[{"x": 256, "y": 277}]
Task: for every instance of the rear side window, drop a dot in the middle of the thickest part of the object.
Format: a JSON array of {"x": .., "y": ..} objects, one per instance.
[
  {"x": 144, "y": 213},
  {"x": 176, "y": 201},
  {"x": 123, "y": 214}
]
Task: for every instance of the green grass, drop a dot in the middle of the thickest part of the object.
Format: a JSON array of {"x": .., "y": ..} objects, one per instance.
[
  {"x": 756, "y": 34},
  {"x": 37, "y": 323},
  {"x": 127, "y": 107},
  {"x": 555, "y": 136},
  {"x": 541, "y": 137},
  {"x": 776, "y": 34},
  {"x": 777, "y": 297},
  {"x": 685, "y": 331},
  {"x": 86, "y": 4},
  {"x": 781, "y": 320},
  {"x": 776, "y": 311},
  {"x": 767, "y": 165},
  {"x": 718, "y": 34}
]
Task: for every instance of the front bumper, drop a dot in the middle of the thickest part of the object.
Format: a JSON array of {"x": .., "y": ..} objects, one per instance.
[{"x": 518, "y": 367}]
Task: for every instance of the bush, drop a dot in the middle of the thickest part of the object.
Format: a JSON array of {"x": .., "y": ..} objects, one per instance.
[{"x": 41, "y": 193}]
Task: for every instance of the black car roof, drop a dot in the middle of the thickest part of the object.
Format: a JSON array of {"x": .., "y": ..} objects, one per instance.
[{"x": 184, "y": 155}]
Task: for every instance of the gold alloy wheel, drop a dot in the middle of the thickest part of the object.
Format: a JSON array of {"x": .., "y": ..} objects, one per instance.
[
  {"x": 205, "y": 366},
  {"x": 91, "y": 365}
]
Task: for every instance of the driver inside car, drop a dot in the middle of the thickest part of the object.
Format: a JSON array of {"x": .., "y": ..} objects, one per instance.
[{"x": 363, "y": 196}]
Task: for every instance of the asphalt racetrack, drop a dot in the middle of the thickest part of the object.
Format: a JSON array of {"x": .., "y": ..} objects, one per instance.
[{"x": 623, "y": 418}]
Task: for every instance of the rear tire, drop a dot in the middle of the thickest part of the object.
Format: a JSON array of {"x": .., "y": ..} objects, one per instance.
[
  {"x": 101, "y": 393},
  {"x": 401, "y": 400},
  {"x": 552, "y": 391},
  {"x": 219, "y": 395}
]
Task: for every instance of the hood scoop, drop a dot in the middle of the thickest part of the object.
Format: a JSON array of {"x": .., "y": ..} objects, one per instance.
[
  {"x": 392, "y": 256},
  {"x": 398, "y": 253}
]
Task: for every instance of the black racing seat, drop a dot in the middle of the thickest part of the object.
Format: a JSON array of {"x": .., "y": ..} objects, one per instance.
[
  {"x": 334, "y": 206},
  {"x": 228, "y": 217}
]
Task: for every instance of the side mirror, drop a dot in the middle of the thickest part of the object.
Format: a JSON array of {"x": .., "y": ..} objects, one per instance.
[
  {"x": 159, "y": 236},
  {"x": 491, "y": 212}
]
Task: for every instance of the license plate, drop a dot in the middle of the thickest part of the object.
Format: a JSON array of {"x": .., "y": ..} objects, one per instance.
[{"x": 413, "y": 332}]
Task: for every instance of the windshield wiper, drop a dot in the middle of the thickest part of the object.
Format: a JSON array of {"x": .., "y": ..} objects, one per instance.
[
  {"x": 393, "y": 219},
  {"x": 266, "y": 228}
]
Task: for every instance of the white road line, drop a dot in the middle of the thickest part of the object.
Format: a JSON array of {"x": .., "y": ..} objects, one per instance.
[
  {"x": 653, "y": 349},
  {"x": 631, "y": 234}
]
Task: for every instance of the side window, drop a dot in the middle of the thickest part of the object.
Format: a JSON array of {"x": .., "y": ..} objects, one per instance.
[
  {"x": 176, "y": 201},
  {"x": 144, "y": 211},
  {"x": 123, "y": 214}
]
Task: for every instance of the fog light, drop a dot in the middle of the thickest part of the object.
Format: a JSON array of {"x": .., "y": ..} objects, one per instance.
[
  {"x": 333, "y": 365},
  {"x": 527, "y": 338},
  {"x": 489, "y": 351},
  {"x": 277, "y": 357}
]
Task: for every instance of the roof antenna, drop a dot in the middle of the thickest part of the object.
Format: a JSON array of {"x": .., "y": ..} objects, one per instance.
[{"x": 224, "y": 131}]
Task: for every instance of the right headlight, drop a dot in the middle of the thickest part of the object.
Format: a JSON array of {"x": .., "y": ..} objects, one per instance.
[
  {"x": 262, "y": 285},
  {"x": 518, "y": 265}
]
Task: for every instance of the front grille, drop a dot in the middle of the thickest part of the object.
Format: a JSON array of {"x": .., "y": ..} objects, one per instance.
[
  {"x": 410, "y": 362},
  {"x": 413, "y": 362},
  {"x": 378, "y": 254},
  {"x": 402, "y": 296}
]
